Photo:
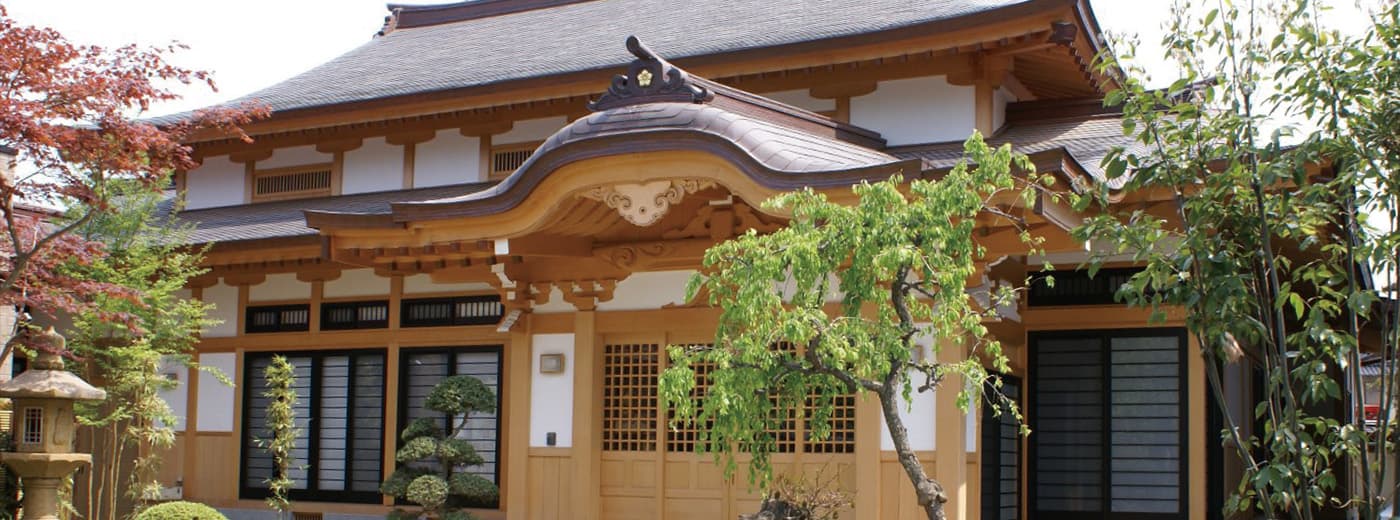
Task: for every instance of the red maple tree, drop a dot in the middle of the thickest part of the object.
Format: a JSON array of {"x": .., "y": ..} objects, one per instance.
[{"x": 72, "y": 116}]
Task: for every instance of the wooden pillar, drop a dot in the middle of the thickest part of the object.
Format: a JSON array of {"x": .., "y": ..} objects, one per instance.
[
  {"x": 869, "y": 423},
  {"x": 391, "y": 384},
  {"x": 191, "y": 432},
  {"x": 587, "y": 444},
  {"x": 518, "y": 362},
  {"x": 950, "y": 462},
  {"x": 1197, "y": 407}
]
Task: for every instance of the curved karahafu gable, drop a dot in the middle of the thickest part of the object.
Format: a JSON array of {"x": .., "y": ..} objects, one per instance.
[{"x": 657, "y": 107}]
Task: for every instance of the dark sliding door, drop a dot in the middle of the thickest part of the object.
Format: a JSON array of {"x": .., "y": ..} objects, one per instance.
[
  {"x": 1108, "y": 411},
  {"x": 1001, "y": 456}
]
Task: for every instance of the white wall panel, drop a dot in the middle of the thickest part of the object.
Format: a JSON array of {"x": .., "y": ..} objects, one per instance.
[
  {"x": 919, "y": 415},
  {"x": 217, "y": 182},
  {"x": 279, "y": 287},
  {"x": 214, "y": 398},
  {"x": 294, "y": 156},
  {"x": 651, "y": 290},
  {"x": 176, "y": 397},
  {"x": 422, "y": 283},
  {"x": 552, "y": 395},
  {"x": 375, "y": 166},
  {"x": 529, "y": 130},
  {"x": 449, "y": 158},
  {"x": 917, "y": 110},
  {"x": 356, "y": 282},
  {"x": 802, "y": 98},
  {"x": 225, "y": 301}
]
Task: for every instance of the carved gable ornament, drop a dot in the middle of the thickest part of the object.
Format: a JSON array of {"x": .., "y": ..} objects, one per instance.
[
  {"x": 651, "y": 79},
  {"x": 643, "y": 204}
]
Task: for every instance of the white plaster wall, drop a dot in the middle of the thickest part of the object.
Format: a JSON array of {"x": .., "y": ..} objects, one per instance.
[
  {"x": 7, "y": 323},
  {"x": 919, "y": 415},
  {"x": 650, "y": 290},
  {"x": 917, "y": 110},
  {"x": 176, "y": 397},
  {"x": 422, "y": 283},
  {"x": 217, "y": 182},
  {"x": 279, "y": 287},
  {"x": 215, "y": 399},
  {"x": 294, "y": 156},
  {"x": 528, "y": 130},
  {"x": 356, "y": 282},
  {"x": 971, "y": 422},
  {"x": 449, "y": 158},
  {"x": 375, "y": 166},
  {"x": 552, "y": 395},
  {"x": 1000, "y": 99},
  {"x": 833, "y": 288},
  {"x": 555, "y": 304},
  {"x": 225, "y": 301},
  {"x": 802, "y": 98}
]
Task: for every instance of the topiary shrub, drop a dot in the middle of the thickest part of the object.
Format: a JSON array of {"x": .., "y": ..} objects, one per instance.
[
  {"x": 180, "y": 511},
  {"x": 431, "y": 461}
]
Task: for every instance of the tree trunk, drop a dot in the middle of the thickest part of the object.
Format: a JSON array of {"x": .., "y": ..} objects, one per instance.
[{"x": 929, "y": 491}]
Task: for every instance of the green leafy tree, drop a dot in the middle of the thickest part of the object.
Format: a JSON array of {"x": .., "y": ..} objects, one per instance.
[
  {"x": 1277, "y": 149},
  {"x": 432, "y": 459},
  {"x": 280, "y": 378},
  {"x": 134, "y": 425},
  {"x": 901, "y": 258}
]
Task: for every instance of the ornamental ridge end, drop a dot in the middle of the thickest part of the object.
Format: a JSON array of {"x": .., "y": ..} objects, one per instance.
[{"x": 650, "y": 79}]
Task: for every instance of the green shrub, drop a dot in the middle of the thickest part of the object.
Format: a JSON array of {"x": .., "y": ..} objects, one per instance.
[{"x": 180, "y": 511}]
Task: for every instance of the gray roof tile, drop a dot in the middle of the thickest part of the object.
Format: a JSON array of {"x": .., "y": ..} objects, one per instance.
[
  {"x": 588, "y": 36},
  {"x": 1088, "y": 141},
  {"x": 285, "y": 218}
]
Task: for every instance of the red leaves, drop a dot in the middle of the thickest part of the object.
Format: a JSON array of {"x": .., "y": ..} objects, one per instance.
[{"x": 70, "y": 111}]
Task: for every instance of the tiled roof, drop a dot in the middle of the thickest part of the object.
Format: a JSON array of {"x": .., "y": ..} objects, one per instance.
[
  {"x": 587, "y": 36},
  {"x": 285, "y": 219},
  {"x": 1086, "y": 140}
]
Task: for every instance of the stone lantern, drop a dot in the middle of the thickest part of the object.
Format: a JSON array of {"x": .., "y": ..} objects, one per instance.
[{"x": 43, "y": 425}]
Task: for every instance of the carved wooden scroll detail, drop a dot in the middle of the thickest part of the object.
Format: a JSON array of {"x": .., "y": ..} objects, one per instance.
[{"x": 643, "y": 204}]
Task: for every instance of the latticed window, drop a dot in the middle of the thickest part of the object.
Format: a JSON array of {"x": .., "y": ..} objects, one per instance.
[{"x": 630, "y": 403}]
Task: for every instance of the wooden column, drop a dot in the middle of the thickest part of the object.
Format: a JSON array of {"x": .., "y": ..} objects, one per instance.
[
  {"x": 950, "y": 461},
  {"x": 1197, "y": 407},
  {"x": 391, "y": 384},
  {"x": 869, "y": 424},
  {"x": 587, "y": 444},
  {"x": 519, "y": 358},
  {"x": 188, "y": 466}
]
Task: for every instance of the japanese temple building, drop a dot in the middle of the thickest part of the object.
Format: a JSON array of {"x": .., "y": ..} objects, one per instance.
[{"x": 487, "y": 183}]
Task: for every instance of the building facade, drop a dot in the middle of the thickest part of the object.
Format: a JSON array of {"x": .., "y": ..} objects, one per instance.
[{"x": 488, "y": 183}]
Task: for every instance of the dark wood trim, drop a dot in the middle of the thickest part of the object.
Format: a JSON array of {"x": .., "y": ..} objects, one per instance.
[{"x": 409, "y": 16}]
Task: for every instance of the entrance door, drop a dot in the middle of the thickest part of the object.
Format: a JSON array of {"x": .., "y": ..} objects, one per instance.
[
  {"x": 1108, "y": 414},
  {"x": 651, "y": 471}
]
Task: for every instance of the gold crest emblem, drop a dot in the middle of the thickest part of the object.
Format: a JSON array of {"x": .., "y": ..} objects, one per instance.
[{"x": 644, "y": 78}]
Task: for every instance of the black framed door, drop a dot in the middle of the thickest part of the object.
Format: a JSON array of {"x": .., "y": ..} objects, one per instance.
[{"x": 1108, "y": 414}]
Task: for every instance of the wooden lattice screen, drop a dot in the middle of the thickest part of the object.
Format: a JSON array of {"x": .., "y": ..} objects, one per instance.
[
  {"x": 684, "y": 438},
  {"x": 631, "y": 408},
  {"x": 630, "y": 403}
]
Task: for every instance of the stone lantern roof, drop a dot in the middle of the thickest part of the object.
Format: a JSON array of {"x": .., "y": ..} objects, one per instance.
[{"x": 46, "y": 378}]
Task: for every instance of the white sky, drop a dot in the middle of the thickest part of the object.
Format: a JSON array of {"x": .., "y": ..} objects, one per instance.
[{"x": 250, "y": 44}]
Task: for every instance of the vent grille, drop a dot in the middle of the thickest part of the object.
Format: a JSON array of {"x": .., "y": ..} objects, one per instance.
[
  {"x": 506, "y": 159},
  {"x": 355, "y": 315},
  {"x": 299, "y": 182},
  {"x": 278, "y": 318},
  {"x": 465, "y": 310}
]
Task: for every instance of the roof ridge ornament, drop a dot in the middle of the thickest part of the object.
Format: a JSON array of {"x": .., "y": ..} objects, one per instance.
[{"x": 650, "y": 79}]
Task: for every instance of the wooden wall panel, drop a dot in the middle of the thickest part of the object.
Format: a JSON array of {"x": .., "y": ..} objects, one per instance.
[
  {"x": 217, "y": 450},
  {"x": 550, "y": 485}
]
